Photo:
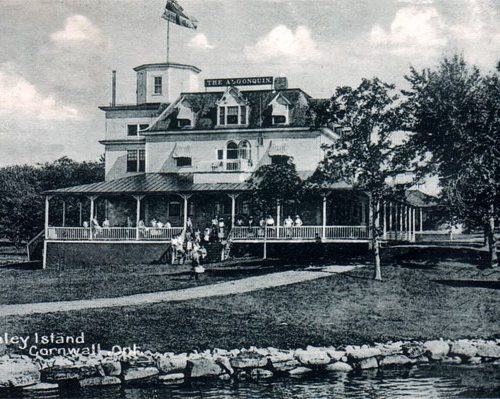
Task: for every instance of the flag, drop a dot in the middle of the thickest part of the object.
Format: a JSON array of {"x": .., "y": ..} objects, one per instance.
[{"x": 175, "y": 13}]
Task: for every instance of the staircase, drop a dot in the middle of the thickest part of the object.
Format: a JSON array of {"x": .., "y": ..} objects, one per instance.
[{"x": 34, "y": 248}]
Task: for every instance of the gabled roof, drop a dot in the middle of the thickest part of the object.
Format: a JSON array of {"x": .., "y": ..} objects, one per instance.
[
  {"x": 420, "y": 199},
  {"x": 204, "y": 106}
]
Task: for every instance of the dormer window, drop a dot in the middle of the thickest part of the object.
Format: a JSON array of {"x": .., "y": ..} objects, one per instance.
[
  {"x": 280, "y": 110},
  {"x": 279, "y": 119},
  {"x": 232, "y": 109},
  {"x": 185, "y": 115}
]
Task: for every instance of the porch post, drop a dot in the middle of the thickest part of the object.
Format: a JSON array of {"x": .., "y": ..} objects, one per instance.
[
  {"x": 278, "y": 214},
  {"x": 324, "y": 217},
  {"x": 92, "y": 206},
  {"x": 47, "y": 209},
  {"x": 408, "y": 222},
  {"x": 401, "y": 219},
  {"x": 390, "y": 217},
  {"x": 384, "y": 221},
  {"x": 64, "y": 214},
  {"x": 421, "y": 221},
  {"x": 80, "y": 214},
  {"x": 138, "y": 199},
  {"x": 363, "y": 213},
  {"x": 185, "y": 197},
  {"x": 413, "y": 223},
  {"x": 233, "y": 208}
]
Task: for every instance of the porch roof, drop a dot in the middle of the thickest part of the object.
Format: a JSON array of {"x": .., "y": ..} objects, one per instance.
[{"x": 150, "y": 183}]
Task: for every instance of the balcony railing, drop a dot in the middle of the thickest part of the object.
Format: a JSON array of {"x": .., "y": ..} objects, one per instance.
[
  {"x": 112, "y": 233},
  {"x": 300, "y": 233},
  {"x": 229, "y": 165}
]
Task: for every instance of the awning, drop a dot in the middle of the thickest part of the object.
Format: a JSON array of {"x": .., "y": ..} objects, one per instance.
[
  {"x": 278, "y": 148},
  {"x": 182, "y": 151}
]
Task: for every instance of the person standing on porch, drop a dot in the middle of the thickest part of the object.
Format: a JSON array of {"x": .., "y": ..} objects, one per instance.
[
  {"x": 221, "y": 228},
  {"x": 168, "y": 225},
  {"x": 189, "y": 224},
  {"x": 298, "y": 221}
]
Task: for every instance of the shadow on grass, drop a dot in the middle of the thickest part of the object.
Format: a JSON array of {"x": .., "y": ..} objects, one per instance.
[
  {"x": 34, "y": 265},
  {"x": 423, "y": 265},
  {"x": 495, "y": 285}
]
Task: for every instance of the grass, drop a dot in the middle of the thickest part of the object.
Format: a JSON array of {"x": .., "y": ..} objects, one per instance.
[{"x": 411, "y": 303}]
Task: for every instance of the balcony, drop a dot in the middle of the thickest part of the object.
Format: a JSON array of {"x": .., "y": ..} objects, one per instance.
[{"x": 229, "y": 165}]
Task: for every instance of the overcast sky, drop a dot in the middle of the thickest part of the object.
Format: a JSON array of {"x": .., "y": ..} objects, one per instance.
[{"x": 56, "y": 56}]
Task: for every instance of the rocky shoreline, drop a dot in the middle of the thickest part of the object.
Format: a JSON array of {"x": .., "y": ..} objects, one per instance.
[{"x": 106, "y": 368}]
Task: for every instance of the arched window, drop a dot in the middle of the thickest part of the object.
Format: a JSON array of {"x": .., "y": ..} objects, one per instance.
[
  {"x": 232, "y": 150},
  {"x": 245, "y": 150}
]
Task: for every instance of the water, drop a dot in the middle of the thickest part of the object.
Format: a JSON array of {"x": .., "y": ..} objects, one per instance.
[{"x": 431, "y": 381}]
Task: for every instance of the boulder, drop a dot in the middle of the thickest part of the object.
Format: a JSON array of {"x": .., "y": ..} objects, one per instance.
[
  {"x": 475, "y": 360},
  {"x": 142, "y": 361},
  {"x": 464, "y": 349},
  {"x": 452, "y": 360},
  {"x": 279, "y": 357},
  {"x": 171, "y": 379},
  {"x": 389, "y": 349},
  {"x": 365, "y": 352},
  {"x": 336, "y": 355},
  {"x": 286, "y": 365},
  {"x": 313, "y": 357},
  {"x": 339, "y": 367},
  {"x": 99, "y": 381},
  {"x": 298, "y": 371},
  {"x": 224, "y": 377},
  {"x": 488, "y": 349},
  {"x": 60, "y": 373},
  {"x": 42, "y": 389},
  {"x": 395, "y": 360},
  {"x": 225, "y": 364},
  {"x": 203, "y": 368},
  {"x": 111, "y": 367},
  {"x": 436, "y": 350},
  {"x": 140, "y": 374},
  {"x": 370, "y": 363},
  {"x": 413, "y": 349},
  {"x": 171, "y": 364},
  {"x": 260, "y": 374},
  {"x": 18, "y": 373},
  {"x": 248, "y": 360}
]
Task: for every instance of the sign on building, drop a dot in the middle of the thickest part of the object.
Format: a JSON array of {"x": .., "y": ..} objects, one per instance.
[{"x": 267, "y": 80}]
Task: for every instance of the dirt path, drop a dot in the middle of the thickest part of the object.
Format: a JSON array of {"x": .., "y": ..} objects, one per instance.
[{"x": 227, "y": 288}]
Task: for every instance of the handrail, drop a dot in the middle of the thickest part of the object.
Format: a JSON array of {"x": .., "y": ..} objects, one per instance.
[{"x": 35, "y": 241}]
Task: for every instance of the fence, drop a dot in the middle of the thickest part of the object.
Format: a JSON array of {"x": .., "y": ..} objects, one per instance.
[
  {"x": 302, "y": 233},
  {"x": 112, "y": 233}
]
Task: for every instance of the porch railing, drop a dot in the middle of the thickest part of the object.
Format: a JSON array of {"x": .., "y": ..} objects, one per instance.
[
  {"x": 302, "y": 232},
  {"x": 111, "y": 233}
]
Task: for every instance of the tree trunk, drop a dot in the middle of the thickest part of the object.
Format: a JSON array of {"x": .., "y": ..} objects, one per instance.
[
  {"x": 375, "y": 223},
  {"x": 492, "y": 244}
]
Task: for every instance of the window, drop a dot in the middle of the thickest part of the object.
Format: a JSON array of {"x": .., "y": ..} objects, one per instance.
[
  {"x": 232, "y": 115},
  {"x": 279, "y": 119},
  {"x": 136, "y": 160},
  {"x": 184, "y": 161},
  {"x": 132, "y": 130},
  {"x": 244, "y": 150},
  {"x": 231, "y": 150},
  {"x": 158, "y": 85},
  {"x": 184, "y": 122},
  {"x": 243, "y": 114},
  {"x": 174, "y": 209},
  {"x": 222, "y": 115},
  {"x": 220, "y": 154},
  {"x": 260, "y": 141}
]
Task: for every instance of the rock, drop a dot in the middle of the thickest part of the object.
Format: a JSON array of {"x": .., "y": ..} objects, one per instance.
[
  {"x": 339, "y": 367},
  {"x": 395, "y": 360},
  {"x": 42, "y": 388},
  {"x": 171, "y": 379},
  {"x": 224, "y": 377},
  {"x": 436, "y": 350},
  {"x": 413, "y": 349},
  {"x": 142, "y": 361},
  {"x": 225, "y": 364},
  {"x": 475, "y": 360},
  {"x": 279, "y": 357},
  {"x": 370, "y": 363},
  {"x": 60, "y": 373},
  {"x": 463, "y": 349},
  {"x": 202, "y": 368},
  {"x": 248, "y": 360},
  {"x": 336, "y": 355},
  {"x": 18, "y": 373},
  {"x": 111, "y": 368},
  {"x": 171, "y": 364},
  {"x": 489, "y": 349},
  {"x": 286, "y": 365},
  {"x": 298, "y": 371},
  {"x": 260, "y": 374},
  {"x": 140, "y": 374},
  {"x": 394, "y": 348},
  {"x": 362, "y": 353},
  {"x": 422, "y": 359},
  {"x": 241, "y": 375},
  {"x": 99, "y": 381},
  {"x": 313, "y": 357},
  {"x": 61, "y": 361},
  {"x": 452, "y": 360}
]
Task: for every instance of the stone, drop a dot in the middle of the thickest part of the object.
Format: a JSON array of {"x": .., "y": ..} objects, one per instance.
[
  {"x": 60, "y": 373},
  {"x": 261, "y": 374},
  {"x": 394, "y": 348},
  {"x": 475, "y": 360},
  {"x": 369, "y": 363},
  {"x": 413, "y": 349},
  {"x": 111, "y": 367},
  {"x": 171, "y": 364},
  {"x": 436, "y": 350},
  {"x": 286, "y": 365},
  {"x": 42, "y": 388},
  {"x": 335, "y": 355},
  {"x": 463, "y": 349},
  {"x": 452, "y": 360},
  {"x": 241, "y": 375},
  {"x": 313, "y": 357},
  {"x": 298, "y": 371},
  {"x": 139, "y": 374},
  {"x": 171, "y": 379},
  {"x": 18, "y": 373},
  {"x": 99, "y": 381},
  {"x": 224, "y": 377},
  {"x": 61, "y": 361},
  {"x": 395, "y": 360},
  {"x": 362, "y": 353},
  {"x": 488, "y": 349},
  {"x": 279, "y": 357},
  {"x": 203, "y": 368},
  {"x": 225, "y": 364},
  {"x": 248, "y": 360},
  {"x": 339, "y": 367},
  {"x": 142, "y": 361}
]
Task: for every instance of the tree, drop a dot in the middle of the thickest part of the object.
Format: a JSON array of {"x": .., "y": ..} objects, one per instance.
[
  {"x": 365, "y": 155},
  {"x": 454, "y": 114},
  {"x": 275, "y": 182}
]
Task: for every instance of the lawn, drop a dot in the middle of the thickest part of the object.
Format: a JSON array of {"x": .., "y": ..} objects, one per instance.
[{"x": 416, "y": 300}]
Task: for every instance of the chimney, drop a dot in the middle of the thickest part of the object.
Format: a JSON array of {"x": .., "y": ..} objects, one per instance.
[
  {"x": 113, "y": 90},
  {"x": 280, "y": 83}
]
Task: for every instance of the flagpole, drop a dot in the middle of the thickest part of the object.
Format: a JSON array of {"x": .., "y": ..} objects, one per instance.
[{"x": 168, "y": 41}]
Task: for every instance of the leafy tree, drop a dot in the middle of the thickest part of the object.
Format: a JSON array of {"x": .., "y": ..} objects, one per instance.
[
  {"x": 275, "y": 182},
  {"x": 365, "y": 155},
  {"x": 454, "y": 113}
]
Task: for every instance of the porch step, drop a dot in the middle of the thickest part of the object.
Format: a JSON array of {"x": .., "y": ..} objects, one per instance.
[{"x": 214, "y": 251}]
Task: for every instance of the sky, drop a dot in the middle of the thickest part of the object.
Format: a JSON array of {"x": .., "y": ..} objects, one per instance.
[{"x": 56, "y": 56}]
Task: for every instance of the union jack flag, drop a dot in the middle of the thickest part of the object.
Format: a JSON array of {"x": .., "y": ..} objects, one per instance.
[{"x": 176, "y": 14}]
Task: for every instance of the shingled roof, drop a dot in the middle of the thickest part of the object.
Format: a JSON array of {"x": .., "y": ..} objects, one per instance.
[{"x": 204, "y": 107}]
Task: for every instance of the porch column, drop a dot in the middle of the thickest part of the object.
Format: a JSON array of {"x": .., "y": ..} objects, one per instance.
[
  {"x": 233, "y": 208},
  {"x": 384, "y": 226},
  {"x": 80, "y": 214},
  {"x": 185, "y": 197},
  {"x": 47, "y": 209},
  {"x": 324, "y": 217},
  {"x": 363, "y": 212},
  {"x": 401, "y": 219},
  {"x": 414, "y": 219},
  {"x": 64, "y": 213},
  {"x": 138, "y": 199},
  {"x": 92, "y": 207},
  {"x": 390, "y": 217},
  {"x": 421, "y": 221},
  {"x": 408, "y": 222}
]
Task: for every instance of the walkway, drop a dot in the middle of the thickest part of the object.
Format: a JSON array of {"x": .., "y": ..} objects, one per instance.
[{"x": 227, "y": 288}]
